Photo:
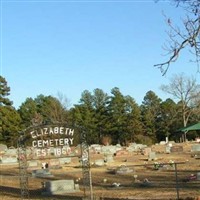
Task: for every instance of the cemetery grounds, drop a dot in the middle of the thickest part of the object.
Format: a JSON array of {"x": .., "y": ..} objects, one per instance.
[{"x": 130, "y": 175}]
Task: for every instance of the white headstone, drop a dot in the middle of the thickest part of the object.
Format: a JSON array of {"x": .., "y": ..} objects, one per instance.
[
  {"x": 3, "y": 148},
  {"x": 9, "y": 159},
  {"x": 195, "y": 147},
  {"x": 61, "y": 187},
  {"x": 99, "y": 162},
  {"x": 33, "y": 163},
  {"x": 152, "y": 156}
]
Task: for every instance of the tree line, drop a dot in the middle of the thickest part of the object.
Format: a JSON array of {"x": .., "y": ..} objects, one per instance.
[{"x": 107, "y": 118}]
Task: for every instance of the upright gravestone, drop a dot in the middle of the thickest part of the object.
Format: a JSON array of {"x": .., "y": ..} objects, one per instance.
[
  {"x": 11, "y": 152},
  {"x": 108, "y": 157},
  {"x": 146, "y": 151},
  {"x": 168, "y": 149},
  {"x": 109, "y": 149},
  {"x": 176, "y": 149},
  {"x": 9, "y": 159},
  {"x": 195, "y": 148},
  {"x": 33, "y": 163},
  {"x": 152, "y": 156},
  {"x": 3, "y": 148},
  {"x": 133, "y": 147},
  {"x": 195, "y": 151}
]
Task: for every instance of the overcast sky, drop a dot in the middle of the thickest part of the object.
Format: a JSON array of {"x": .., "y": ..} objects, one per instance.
[{"x": 71, "y": 46}]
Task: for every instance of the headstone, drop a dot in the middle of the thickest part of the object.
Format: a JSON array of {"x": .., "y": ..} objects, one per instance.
[
  {"x": 99, "y": 162},
  {"x": 60, "y": 187},
  {"x": 63, "y": 161},
  {"x": 133, "y": 147},
  {"x": 176, "y": 149},
  {"x": 9, "y": 159},
  {"x": 146, "y": 151},
  {"x": 195, "y": 147},
  {"x": 33, "y": 163},
  {"x": 11, "y": 152},
  {"x": 109, "y": 149},
  {"x": 123, "y": 170},
  {"x": 152, "y": 156},
  {"x": 195, "y": 151},
  {"x": 162, "y": 142},
  {"x": 3, "y": 148},
  {"x": 109, "y": 158},
  {"x": 41, "y": 173},
  {"x": 118, "y": 147},
  {"x": 170, "y": 144},
  {"x": 168, "y": 149},
  {"x": 197, "y": 140}
]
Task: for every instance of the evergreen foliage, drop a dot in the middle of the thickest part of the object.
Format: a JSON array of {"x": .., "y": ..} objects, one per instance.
[
  {"x": 10, "y": 121},
  {"x": 4, "y": 92},
  {"x": 106, "y": 119}
]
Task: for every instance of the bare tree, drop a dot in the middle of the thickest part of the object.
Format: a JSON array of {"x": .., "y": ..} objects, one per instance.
[
  {"x": 186, "y": 91},
  {"x": 187, "y": 37},
  {"x": 65, "y": 102}
]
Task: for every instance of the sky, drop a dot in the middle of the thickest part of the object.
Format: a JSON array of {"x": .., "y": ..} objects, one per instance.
[{"x": 66, "y": 47}]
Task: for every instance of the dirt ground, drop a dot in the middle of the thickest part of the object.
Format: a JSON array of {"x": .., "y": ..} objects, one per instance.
[{"x": 143, "y": 181}]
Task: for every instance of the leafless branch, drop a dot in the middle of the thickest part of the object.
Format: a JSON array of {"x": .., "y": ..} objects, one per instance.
[{"x": 179, "y": 40}]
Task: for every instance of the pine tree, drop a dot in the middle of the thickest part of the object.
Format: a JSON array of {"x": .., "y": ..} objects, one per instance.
[
  {"x": 4, "y": 92},
  {"x": 9, "y": 118}
]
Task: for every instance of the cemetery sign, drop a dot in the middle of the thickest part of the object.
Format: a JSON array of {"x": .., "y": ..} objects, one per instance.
[
  {"x": 49, "y": 141},
  {"x": 52, "y": 140}
]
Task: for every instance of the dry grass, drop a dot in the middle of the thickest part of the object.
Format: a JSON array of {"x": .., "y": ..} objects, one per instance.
[{"x": 162, "y": 182}]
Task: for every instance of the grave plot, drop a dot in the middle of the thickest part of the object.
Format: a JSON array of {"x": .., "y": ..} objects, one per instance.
[
  {"x": 60, "y": 180},
  {"x": 128, "y": 176},
  {"x": 195, "y": 151}
]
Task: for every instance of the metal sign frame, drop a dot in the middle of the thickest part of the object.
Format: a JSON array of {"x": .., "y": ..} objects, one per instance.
[{"x": 22, "y": 158}]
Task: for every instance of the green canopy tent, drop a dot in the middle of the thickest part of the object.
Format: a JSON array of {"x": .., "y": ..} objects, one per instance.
[{"x": 194, "y": 127}]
